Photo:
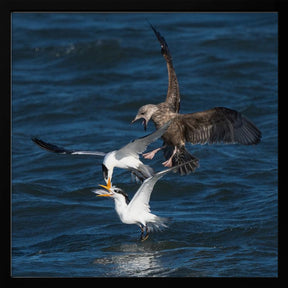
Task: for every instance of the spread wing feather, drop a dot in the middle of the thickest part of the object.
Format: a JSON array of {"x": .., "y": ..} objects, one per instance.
[
  {"x": 139, "y": 145},
  {"x": 60, "y": 150},
  {"x": 219, "y": 125},
  {"x": 173, "y": 94},
  {"x": 140, "y": 201}
]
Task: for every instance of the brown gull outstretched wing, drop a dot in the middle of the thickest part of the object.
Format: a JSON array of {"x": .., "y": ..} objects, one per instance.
[
  {"x": 173, "y": 94},
  {"x": 219, "y": 125}
]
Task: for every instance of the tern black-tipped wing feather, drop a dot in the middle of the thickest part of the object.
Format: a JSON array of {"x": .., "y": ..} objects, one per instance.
[{"x": 60, "y": 150}]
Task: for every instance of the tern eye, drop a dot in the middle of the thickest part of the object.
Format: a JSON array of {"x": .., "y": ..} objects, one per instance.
[{"x": 120, "y": 191}]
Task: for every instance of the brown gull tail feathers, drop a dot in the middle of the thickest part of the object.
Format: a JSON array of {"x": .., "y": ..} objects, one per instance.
[{"x": 186, "y": 162}]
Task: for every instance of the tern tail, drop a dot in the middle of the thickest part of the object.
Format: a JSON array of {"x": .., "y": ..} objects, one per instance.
[
  {"x": 158, "y": 224},
  {"x": 143, "y": 172}
]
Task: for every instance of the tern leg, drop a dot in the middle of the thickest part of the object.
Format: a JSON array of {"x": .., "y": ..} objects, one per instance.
[
  {"x": 142, "y": 237},
  {"x": 142, "y": 232},
  {"x": 146, "y": 235},
  {"x": 169, "y": 163},
  {"x": 151, "y": 154}
]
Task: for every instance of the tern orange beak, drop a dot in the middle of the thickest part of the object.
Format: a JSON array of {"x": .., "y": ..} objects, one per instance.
[
  {"x": 107, "y": 187},
  {"x": 104, "y": 195}
]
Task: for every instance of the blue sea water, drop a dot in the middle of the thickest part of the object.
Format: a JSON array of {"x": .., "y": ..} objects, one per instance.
[{"x": 78, "y": 80}]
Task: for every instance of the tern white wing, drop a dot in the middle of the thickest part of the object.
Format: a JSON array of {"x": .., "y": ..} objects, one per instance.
[
  {"x": 60, "y": 150},
  {"x": 139, "y": 145},
  {"x": 140, "y": 201}
]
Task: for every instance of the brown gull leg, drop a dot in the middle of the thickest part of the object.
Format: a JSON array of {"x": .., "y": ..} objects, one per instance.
[
  {"x": 150, "y": 155},
  {"x": 169, "y": 163}
]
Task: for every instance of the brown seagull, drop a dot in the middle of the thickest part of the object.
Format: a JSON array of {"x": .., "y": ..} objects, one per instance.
[{"x": 216, "y": 125}]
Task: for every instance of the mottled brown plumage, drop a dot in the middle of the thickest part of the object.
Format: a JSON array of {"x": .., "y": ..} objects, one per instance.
[{"x": 216, "y": 125}]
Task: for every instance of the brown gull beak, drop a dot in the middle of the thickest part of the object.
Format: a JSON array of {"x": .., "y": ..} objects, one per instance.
[{"x": 144, "y": 123}]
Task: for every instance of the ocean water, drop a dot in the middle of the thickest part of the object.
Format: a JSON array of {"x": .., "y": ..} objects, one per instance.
[{"x": 78, "y": 80}]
